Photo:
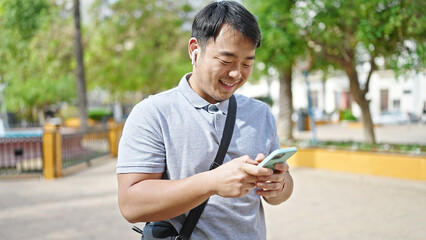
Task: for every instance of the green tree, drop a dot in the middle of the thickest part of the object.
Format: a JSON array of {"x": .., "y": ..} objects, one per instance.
[
  {"x": 280, "y": 49},
  {"x": 357, "y": 31},
  {"x": 137, "y": 46},
  {"x": 34, "y": 54}
]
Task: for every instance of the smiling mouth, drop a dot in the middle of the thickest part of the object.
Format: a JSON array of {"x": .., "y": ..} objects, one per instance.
[{"x": 227, "y": 84}]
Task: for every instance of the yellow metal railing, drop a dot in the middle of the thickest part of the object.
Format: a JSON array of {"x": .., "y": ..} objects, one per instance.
[{"x": 52, "y": 148}]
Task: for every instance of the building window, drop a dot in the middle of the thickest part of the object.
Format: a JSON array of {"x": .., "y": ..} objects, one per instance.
[
  {"x": 384, "y": 98},
  {"x": 396, "y": 104}
]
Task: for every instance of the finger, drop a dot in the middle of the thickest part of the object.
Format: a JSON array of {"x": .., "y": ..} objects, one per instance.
[
  {"x": 276, "y": 177},
  {"x": 283, "y": 167},
  {"x": 260, "y": 157},
  {"x": 286, "y": 167},
  {"x": 247, "y": 159},
  {"x": 256, "y": 171},
  {"x": 251, "y": 161},
  {"x": 271, "y": 186},
  {"x": 267, "y": 193},
  {"x": 250, "y": 185},
  {"x": 251, "y": 179}
]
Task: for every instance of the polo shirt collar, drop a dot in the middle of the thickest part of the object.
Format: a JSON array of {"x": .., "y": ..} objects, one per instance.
[{"x": 195, "y": 99}]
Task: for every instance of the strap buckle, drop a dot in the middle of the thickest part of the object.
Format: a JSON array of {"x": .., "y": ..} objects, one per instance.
[
  {"x": 214, "y": 165},
  {"x": 179, "y": 237}
]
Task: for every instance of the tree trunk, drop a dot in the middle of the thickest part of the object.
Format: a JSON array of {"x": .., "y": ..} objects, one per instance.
[
  {"x": 323, "y": 95},
  {"x": 117, "y": 111},
  {"x": 363, "y": 103},
  {"x": 41, "y": 117},
  {"x": 366, "y": 119},
  {"x": 81, "y": 82},
  {"x": 285, "y": 126}
]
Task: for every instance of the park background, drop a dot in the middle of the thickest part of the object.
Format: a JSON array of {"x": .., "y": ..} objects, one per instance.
[{"x": 345, "y": 79}]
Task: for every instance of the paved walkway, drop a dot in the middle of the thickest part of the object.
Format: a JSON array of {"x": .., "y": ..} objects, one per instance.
[{"x": 325, "y": 205}]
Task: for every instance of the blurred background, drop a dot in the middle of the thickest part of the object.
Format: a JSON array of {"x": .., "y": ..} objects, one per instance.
[
  {"x": 320, "y": 61},
  {"x": 341, "y": 77}
]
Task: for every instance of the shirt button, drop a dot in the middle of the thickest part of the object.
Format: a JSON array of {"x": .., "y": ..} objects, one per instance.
[{"x": 213, "y": 108}]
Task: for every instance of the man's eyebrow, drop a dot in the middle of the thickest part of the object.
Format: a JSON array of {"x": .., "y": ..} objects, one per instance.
[{"x": 230, "y": 54}]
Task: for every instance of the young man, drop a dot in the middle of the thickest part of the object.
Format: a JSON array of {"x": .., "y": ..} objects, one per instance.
[{"x": 170, "y": 140}]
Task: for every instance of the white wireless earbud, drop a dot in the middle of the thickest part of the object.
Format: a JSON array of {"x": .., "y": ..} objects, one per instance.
[{"x": 193, "y": 56}]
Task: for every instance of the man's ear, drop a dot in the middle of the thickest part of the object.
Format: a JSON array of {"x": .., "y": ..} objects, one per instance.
[{"x": 193, "y": 49}]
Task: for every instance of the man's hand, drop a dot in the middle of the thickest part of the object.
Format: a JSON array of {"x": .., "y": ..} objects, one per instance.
[
  {"x": 273, "y": 187},
  {"x": 237, "y": 177}
]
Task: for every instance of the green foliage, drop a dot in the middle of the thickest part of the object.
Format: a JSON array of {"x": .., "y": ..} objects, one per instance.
[
  {"x": 130, "y": 46},
  {"x": 393, "y": 29},
  {"x": 36, "y": 54},
  {"x": 347, "y": 115},
  {"x": 281, "y": 47},
  {"x": 411, "y": 149},
  {"x": 350, "y": 33},
  {"x": 281, "y": 42},
  {"x": 139, "y": 47},
  {"x": 99, "y": 114},
  {"x": 25, "y": 16}
]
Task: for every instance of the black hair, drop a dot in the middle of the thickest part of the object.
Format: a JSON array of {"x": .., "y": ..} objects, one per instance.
[{"x": 208, "y": 21}]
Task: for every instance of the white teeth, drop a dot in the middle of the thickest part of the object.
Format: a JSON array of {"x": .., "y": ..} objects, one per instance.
[{"x": 228, "y": 84}]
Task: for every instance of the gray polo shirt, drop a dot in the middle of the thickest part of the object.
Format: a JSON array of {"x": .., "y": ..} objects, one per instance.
[{"x": 178, "y": 132}]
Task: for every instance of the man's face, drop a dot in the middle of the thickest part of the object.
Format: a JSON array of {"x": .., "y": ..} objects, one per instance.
[{"x": 223, "y": 65}]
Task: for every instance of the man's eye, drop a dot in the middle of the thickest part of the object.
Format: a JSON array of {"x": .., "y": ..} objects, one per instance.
[{"x": 224, "y": 62}]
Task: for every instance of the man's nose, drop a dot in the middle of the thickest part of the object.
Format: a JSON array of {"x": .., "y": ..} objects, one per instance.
[{"x": 235, "y": 72}]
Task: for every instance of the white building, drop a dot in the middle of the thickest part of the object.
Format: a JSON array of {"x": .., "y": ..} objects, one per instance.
[{"x": 388, "y": 93}]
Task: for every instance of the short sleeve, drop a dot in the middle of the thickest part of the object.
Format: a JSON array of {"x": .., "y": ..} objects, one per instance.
[{"x": 141, "y": 148}]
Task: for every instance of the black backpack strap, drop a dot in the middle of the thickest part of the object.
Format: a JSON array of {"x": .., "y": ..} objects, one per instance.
[{"x": 194, "y": 214}]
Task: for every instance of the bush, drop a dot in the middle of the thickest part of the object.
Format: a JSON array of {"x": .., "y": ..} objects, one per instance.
[
  {"x": 410, "y": 149},
  {"x": 99, "y": 114},
  {"x": 347, "y": 115}
]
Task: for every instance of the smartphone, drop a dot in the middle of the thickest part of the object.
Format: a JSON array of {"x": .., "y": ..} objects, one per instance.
[{"x": 278, "y": 156}]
